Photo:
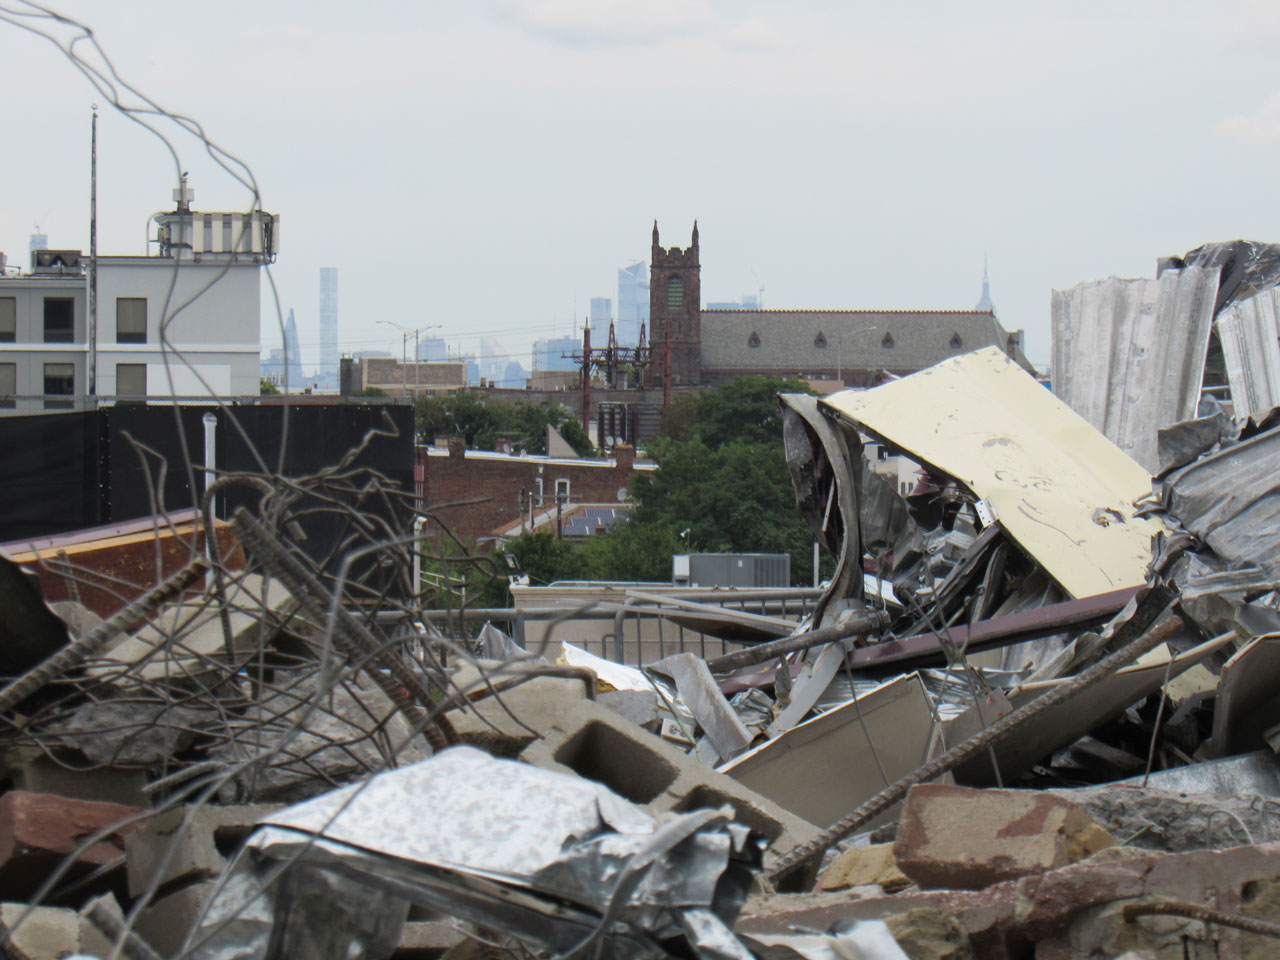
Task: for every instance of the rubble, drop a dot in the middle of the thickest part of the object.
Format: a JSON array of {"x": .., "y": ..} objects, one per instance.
[{"x": 1030, "y": 714}]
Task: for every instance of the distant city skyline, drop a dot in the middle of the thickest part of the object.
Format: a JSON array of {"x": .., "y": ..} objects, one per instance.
[{"x": 851, "y": 155}]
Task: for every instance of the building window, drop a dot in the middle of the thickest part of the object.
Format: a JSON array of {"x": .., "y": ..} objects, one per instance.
[
  {"x": 675, "y": 294},
  {"x": 8, "y": 385},
  {"x": 131, "y": 379},
  {"x": 8, "y": 319},
  {"x": 59, "y": 381},
  {"x": 59, "y": 320},
  {"x": 753, "y": 340},
  {"x": 538, "y": 492},
  {"x": 562, "y": 490},
  {"x": 131, "y": 319},
  {"x": 887, "y": 341},
  {"x": 956, "y": 342},
  {"x": 820, "y": 341}
]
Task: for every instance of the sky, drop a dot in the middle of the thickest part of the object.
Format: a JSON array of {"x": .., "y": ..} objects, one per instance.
[{"x": 488, "y": 166}]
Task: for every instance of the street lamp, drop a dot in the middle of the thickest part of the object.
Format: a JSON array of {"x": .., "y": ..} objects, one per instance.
[{"x": 404, "y": 353}]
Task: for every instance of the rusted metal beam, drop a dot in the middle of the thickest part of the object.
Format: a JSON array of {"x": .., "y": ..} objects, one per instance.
[{"x": 926, "y": 650}]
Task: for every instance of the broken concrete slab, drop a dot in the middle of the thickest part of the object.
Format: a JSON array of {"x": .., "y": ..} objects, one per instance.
[
  {"x": 639, "y": 707},
  {"x": 592, "y": 742},
  {"x": 958, "y": 838},
  {"x": 188, "y": 843},
  {"x": 183, "y": 636},
  {"x": 826, "y": 766},
  {"x": 347, "y": 731}
]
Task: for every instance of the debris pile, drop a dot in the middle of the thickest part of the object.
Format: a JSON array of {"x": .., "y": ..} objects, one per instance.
[{"x": 1030, "y": 715}]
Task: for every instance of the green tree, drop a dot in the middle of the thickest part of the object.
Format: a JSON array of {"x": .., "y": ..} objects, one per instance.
[
  {"x": 267, "y": 389},
  {"x": 370, "y": 392},
  {"x": 544, "y": 558}
]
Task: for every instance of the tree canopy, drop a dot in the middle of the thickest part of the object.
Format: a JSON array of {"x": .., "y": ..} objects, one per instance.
[
  {"x": 482, "y": 423},
  {"x": 722, "y": 485}
]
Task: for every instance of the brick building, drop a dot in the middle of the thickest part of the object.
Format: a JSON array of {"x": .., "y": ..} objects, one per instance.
[
  {"x": 510, "y": 485},
  {"x": 851, "y": 347}
]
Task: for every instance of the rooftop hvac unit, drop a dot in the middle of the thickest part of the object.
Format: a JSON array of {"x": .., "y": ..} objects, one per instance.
[
  {"x": 731, "y": 569},
  {"x": 55, "y": 261}
]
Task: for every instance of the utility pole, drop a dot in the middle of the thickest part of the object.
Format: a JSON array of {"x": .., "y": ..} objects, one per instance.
[{"x": 91, "y": 378}]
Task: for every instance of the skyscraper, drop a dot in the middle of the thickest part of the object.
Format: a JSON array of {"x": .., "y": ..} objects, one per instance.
[
  {"x": 293, "y": 355},
  {"x": 329, "y": 325},
  {"x": 633, "y": 302},
  {"x": 601, "y": 313}
]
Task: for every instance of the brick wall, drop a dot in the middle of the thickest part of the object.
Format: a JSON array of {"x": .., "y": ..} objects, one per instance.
[{"x": 497, "y": 481}]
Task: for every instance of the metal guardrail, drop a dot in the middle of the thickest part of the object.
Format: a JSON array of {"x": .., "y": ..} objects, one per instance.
[{"x": 671, "y": 637}]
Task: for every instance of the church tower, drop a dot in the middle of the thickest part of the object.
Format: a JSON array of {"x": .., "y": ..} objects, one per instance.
[
  {"x": 985, "y": 305},
  {"x": 675, "y": 310}
]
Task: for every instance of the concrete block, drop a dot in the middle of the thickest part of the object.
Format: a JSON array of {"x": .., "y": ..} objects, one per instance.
[
  {"x": 505, "y": 724},
  {"x": 188, "y": 843},
  {"x": 862, "y": 866},
  {"x": 37, "y": 830},
  {"x": 165, "y": 922},
  {"x": 67, "y": 773},
  {"x": 593, "y": 742},
  {"x": 960, "y": 838},
  {"x": 638, "y": 706},
  {"x": 426, "y": 941},
  {"x": 49, "y": 933}
]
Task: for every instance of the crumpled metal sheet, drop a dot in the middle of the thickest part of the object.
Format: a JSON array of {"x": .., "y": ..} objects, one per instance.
[
  {"x": 1059, "y": 488},
  {"x": 548, "y": 858},
  {"x": 1129, "y": 355},
  {"x": 1230, "y": 500},
  {"x": 1248, "y": 331}
]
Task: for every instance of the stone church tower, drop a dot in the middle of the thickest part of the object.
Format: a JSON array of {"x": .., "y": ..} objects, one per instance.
[{"x": 675, "y": 310}]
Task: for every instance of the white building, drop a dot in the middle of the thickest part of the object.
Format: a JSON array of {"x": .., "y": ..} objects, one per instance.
[{"x": 183, "y": 321}]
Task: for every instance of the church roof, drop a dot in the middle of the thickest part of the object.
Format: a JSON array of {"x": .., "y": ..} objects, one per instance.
[{"x": 792, "y": 341}]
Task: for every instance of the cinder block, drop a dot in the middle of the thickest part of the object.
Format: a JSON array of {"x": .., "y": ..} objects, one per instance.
[
  {"x": 48, "y": 933},
  {"x": 959, "y": 838},
  {"x": 37, "y": 830},
  {"x": 188, "y": 843},
  {"x": 506, "y": 723},
  {"x": 165, "y": 922},
  {"x": 593, "y": 742}
]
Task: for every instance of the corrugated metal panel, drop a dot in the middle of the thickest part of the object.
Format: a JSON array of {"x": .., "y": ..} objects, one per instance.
[
  {"x": 1061, "y": 489},
  {"x": 1248, "y": 331},
  {"x": 1128, "y": 355},
  {"x": 1231, "y": 501}
]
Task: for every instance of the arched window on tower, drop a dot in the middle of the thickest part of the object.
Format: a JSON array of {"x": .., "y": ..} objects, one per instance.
[
  {"x": 887, "y": 341},
  {"x": 675, "y": 294},
  {"x": 753, "y": 340},
  {"x": 956, "y": 342},
  {"x": 820, "y": 341}
]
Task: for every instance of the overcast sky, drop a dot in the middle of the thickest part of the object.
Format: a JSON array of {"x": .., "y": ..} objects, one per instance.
[{"x": 489, "y": 165}]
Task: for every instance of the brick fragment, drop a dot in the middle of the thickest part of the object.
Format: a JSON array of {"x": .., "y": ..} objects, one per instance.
[
  {"x": 960, "y": 838},
  {"x": 37, "y": 830}
]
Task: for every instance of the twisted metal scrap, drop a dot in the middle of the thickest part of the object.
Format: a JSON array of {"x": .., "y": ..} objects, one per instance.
[{"x": 849, "y": 824}]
